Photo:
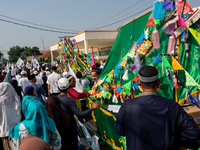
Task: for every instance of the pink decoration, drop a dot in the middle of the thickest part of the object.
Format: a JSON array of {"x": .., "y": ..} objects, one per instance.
[
  {"x": 93, "y": 62},
  {"x": 65, "y": 41},
  {"x": 156, "y": 41},
  {"x": 181, "y": 21},
  {"x": 134, "y": 47},
  {"x": 79, "y": 62},
  {"x": 72, "y": 58},
  {"x": 171, "y": 45},
  {"x": 76, "y": 43}
]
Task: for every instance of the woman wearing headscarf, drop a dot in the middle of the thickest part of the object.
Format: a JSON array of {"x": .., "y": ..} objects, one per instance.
[
  {"x": 10, "y": 112},
  {"x": 61, "y": 119},
  {"x": 17, "y": 88},
  {"x": 32, "y": 142},
  {"x": 73, "y": 93},
  {"x": 36, "y": 122},
  {"x": 7, "y": 78}
]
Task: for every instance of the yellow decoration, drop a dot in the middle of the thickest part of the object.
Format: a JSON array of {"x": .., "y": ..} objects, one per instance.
[
  {"x": 176, "y": 65},
  {"x": 123, "y": 63},
  {"x": 195, "y": 34},
  {"x": 110, "y": 73}
]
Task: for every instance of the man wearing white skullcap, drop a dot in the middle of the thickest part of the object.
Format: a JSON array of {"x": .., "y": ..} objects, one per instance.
[{"x": 24, "y": 82}]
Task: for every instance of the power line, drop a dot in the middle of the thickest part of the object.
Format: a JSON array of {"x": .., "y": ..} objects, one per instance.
[
  {"x": 142, "y": 6},
  {"x": 124, "y": 18},
  {"x": 37, "y": 27},
  {"x": 114, "y": 15},
  {"x": 37, "y": 24}
]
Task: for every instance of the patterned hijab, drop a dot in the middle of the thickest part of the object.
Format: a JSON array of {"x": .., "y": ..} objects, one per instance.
[
  {"x": 36, "y": 120},
  {"x": 10, "y": 108}
]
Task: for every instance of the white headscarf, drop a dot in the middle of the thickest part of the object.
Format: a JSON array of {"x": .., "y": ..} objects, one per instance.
[{"x": 10, "y": 108}]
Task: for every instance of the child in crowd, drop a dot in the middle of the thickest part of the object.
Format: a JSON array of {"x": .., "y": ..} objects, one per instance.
[
  {"x": 95, "y": 73},
  {"x": 81, "y": 83}
]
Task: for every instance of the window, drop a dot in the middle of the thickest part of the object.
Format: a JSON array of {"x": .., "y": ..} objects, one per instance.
[
  {"x": 104, "y": 53},
  {"x": 95, "y": 53}
]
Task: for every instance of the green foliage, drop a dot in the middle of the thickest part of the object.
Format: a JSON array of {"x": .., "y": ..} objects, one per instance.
[
  {"x": 16, "y": 51},
  {"x": 41, "y": 60}
]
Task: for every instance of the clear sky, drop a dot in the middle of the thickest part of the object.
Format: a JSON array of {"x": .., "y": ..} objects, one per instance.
[{"x": 77, "y": 15}]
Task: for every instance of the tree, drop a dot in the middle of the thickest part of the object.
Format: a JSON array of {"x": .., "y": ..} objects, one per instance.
[{"x": 16, "y": 51}]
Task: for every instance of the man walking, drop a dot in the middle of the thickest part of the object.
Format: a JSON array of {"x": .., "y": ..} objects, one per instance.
[
  {"x": 52, "y": 81},
  {"x": 39, "y": 91},
  {"x": 153, "y": 122}
]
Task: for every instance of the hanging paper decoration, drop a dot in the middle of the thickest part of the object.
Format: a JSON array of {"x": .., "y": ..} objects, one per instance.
[
  {"x": 117, "y": 94},
  {"x": 137, "y": 62},
  {"x": 190, "y": 81},
  {"x": 136, "y": 86},
  {"x": 119, "y": 89},
  {"x": 128, "y": 85},
  {"x": 195, "y": 34},
  {"x": 132, "y": 67},
  {"x": 171, "y": 45},
  {"x": 176, "y": 65},
  {"x": 118, "y": 65},
  {"x": 168, "y": 5},
  {"x": 125, "y": 76},
  {"x": 141, "y": 39},
  {"x": 156, "y": 41},
  {"x": 110, "y": 72},
  {"x": 114, "y": 100},
  {"x": 134, "y": 47},
  {"x": 165, "y": 62},
  {"x": 158, "y": 11},
  {"x": 131, "y": 53},
  {"x": 108, "y": 79},
  {"x": 136, "y": 79},
  {"x": 115, "y": 73},
  {"x": 109, "y": 95},
  {"x": 150, "y": 22},
  {"x": 157, "y": 60},
  {"x": 187, "y": 7},
  {"x": 104, "y": 95},
  {"x": 123, "y": 63}
]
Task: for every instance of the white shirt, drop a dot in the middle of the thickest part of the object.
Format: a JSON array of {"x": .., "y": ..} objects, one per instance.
[
  {"x": 52, "y": 80},
  {"x": 24, "y": 82},
  {"x": 83, "y": 83},
  {"x": 17, "y": 78},
  {"x": 48, "y": 73},
  {"x": 39, "y": 80}
]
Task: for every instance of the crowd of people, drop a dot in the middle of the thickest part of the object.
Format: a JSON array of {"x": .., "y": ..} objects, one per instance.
[{"x": 39, "y": 106}]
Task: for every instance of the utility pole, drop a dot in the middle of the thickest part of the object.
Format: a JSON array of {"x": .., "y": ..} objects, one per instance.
[{"x": 42, "y": 38}]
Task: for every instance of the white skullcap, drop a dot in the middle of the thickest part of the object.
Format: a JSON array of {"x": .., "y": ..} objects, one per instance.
[
  {"x": 63, "y": 83},
  {"x": 23, "y": 72}
]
